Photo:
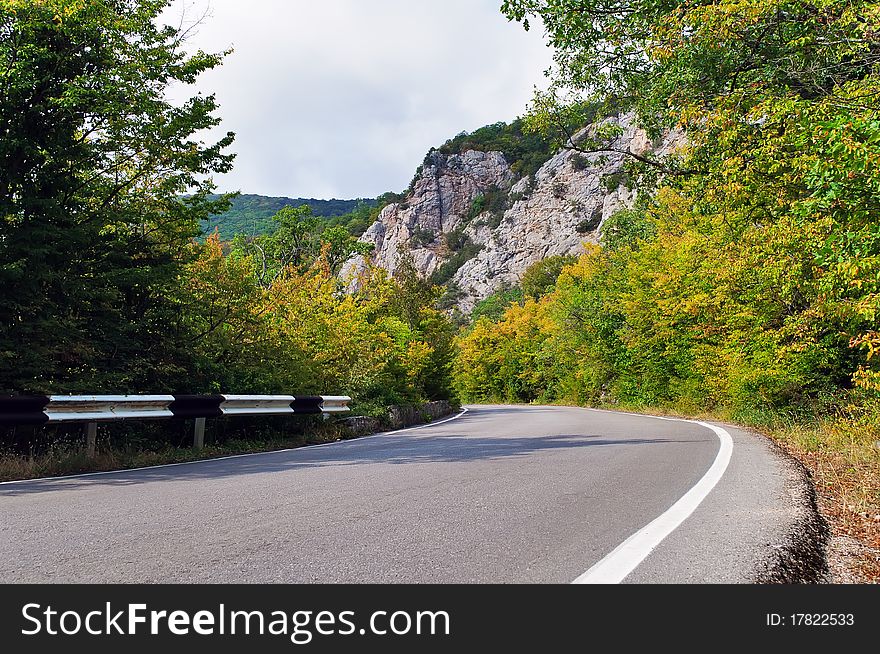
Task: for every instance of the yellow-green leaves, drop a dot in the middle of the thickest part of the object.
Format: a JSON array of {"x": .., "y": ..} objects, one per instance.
[
  {"x": 302, "y": 334},
  {"x": 752, "y": 281}
]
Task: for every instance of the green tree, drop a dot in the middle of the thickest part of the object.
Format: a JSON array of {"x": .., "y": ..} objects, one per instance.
[
  {"x": 298, "y": 240},
  {"x": 626, "y": 228},
  {"x": 294, "y": 242},
  {"x": 673, "y": 61},
  {"x": 753, "y": 273},
  {"x": 494, "y": 306},
  {"x": 339, "y": 246},
  {"x": 539, "y": 279},
  {"x": 415, "y": 293},
  {"x": 94, "y": 161},
  {"x": 358, "y": 220}
]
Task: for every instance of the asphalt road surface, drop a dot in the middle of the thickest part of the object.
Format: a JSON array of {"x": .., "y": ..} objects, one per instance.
[{"x": 500, "y": 494}]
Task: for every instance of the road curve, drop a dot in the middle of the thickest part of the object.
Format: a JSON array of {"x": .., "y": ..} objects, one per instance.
[{"x": 503, "y": 494}]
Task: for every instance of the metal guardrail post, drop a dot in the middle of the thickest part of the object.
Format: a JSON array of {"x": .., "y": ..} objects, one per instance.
[
  {"x": 91, "y": 434},
  {"x": 199, "y": 436}
]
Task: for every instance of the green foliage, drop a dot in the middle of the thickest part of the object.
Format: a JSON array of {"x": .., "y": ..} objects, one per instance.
[
  {"x": 414, "y": 292},
  {"x": 666, "y": 59},
  {"x": 462, "y": 249},
  {"x": 525, "y": 152},
  {"x": 626, "y": 228},
  {"x": 539, "y": 279},
  {"x": 750, "y": 282},
  {"x": 580, "y": 162},
  {"x": 356, "y": 221},
  {"x": 447, "y": 303},
  {"x": 251, "y": 215},
  {"x": 292, "y": 243},
  {"x": 455, "y": 239},
  {"x": 384, "y": 344},
  {"x": 94, "y": 162},
  {"x": 365, "y": 213},
  {"x": 506, "y": 361},
  {"x": 493, "y": 201},
  {"x": 613, "y": 181},
  {"x": 477, "y": 207},
  {"x": 297, "y": 241},
  {"x": 107, "y": 285},
  {"x": 421, "y": 237},
  {"x": 493, "y": 307},
  {"x": 338, "y": 246},
  {"x": 452, "y": 265},
  {"x": 591, "y": 223}
]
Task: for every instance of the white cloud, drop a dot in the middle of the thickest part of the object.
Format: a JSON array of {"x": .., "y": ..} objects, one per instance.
[{"x": 342, "y": 98}]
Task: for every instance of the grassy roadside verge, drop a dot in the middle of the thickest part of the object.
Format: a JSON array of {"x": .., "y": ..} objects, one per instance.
[
  {"x": 72, "y": 460},
  {"x": 843, "y": 458}
]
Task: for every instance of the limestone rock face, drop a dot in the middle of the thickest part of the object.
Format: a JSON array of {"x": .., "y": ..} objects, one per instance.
[
  {"x": 438, "y": 202},
  {"x": 554, "y": 212}
]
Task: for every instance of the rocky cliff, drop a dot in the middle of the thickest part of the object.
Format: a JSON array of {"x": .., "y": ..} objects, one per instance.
[{"x": 470, "y": 223}]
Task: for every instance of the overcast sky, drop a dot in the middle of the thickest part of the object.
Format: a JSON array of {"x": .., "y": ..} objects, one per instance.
[{"x": 343, "y": 98}]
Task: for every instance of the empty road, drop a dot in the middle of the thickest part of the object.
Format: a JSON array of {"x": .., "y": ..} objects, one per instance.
[{"x": 500, "y": 494}]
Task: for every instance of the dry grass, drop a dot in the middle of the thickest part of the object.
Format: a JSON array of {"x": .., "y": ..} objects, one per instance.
[
  {"x": 70, "y": 460},
  {"x": 844, "y": 458}
]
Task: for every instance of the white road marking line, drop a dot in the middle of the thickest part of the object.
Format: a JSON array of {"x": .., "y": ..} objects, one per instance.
[
  {"x": 430, "y": 424},
  {"x": 122, "y": 471},
  {"x": 621, "y": 561}
]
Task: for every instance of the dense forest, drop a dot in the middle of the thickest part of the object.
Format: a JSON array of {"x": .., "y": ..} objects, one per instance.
[
  {"x": 748, "y": 274},
  {"x": 251, "y": 214}
]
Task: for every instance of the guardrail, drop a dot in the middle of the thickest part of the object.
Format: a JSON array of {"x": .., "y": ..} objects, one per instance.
[
  {"x": 91, "y": 409},
  {"x": 335, "y": 403}
]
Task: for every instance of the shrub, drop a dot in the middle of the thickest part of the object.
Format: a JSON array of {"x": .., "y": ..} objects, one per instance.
[
  {"x": 465, "y": 253},
  {"x": 421, "y": 237},
  {"x": 540, "y": 278},
  {"x": 613, "y": 181},
  {"x": 580, "y": 162},
  {"x": 559, "y": 190},
  {"x": 590, "y": 224}
]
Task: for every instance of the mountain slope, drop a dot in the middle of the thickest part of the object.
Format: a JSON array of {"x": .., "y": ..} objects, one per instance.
[
  {"x": 252, "y": 214},
  {"x": 470, "y": 221}
]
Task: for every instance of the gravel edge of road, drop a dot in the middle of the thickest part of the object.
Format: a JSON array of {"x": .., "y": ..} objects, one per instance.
[{"x": 801, "y": 558}]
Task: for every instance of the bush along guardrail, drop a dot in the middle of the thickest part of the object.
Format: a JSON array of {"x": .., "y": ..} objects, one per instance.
[{"x": 91, "y": 409}]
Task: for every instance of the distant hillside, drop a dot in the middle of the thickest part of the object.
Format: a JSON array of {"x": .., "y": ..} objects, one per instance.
[{"x": 252, "y": 214}]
